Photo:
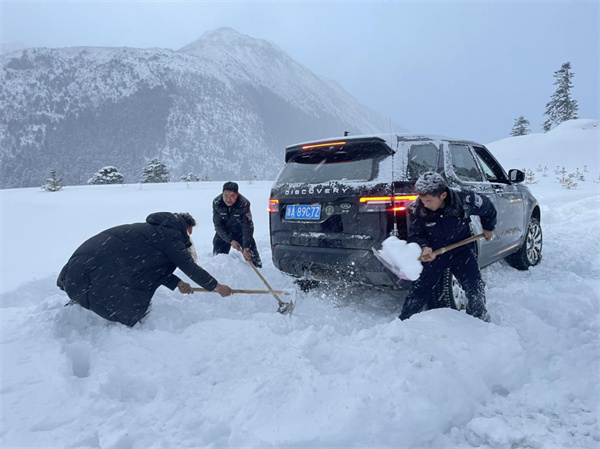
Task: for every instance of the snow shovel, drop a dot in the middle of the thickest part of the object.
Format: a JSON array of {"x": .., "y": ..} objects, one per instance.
[
  {"x": 284, "y": 307},
  {"x": 245, "y": 291},
  {"x": 394, "y": 268}
]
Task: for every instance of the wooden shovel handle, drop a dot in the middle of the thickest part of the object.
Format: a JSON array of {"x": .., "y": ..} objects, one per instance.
[
  {"x": 262, "y": 278},
  {"x": 439, "y": 251},
  {"x": 251, "y": 292},
  {"x": 273, "y": 292}
]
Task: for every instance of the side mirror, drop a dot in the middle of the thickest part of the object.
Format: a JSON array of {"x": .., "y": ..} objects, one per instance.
[{"x": 516, "y": 176}]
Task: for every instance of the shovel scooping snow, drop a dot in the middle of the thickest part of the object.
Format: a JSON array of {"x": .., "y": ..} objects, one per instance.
[
  {"x": 400, "y": 257},
  {"x": 404, "y": 259}
]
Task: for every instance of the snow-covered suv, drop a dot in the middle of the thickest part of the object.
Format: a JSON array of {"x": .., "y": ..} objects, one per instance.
[{"x": 334, "y": 200}]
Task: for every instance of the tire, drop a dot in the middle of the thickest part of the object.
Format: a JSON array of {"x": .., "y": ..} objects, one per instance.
[
  {"x": 448, "y": 293},
  {"x": 530, "y": 252}
]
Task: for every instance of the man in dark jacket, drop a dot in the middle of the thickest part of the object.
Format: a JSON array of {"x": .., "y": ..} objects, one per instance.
[
  {"x": 116, "y": 272},
  {"x": 439, "y": 217},
  {"x": 233, "y": 224}
]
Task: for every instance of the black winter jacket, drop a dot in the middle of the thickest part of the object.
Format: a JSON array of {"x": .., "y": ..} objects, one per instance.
[
  {"x": 116, "y": 272},
  {"x": 451, "y": 223},
  {"x": 235, "y": 222}
]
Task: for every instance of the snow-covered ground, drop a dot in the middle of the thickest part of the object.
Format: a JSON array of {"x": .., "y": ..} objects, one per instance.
[{"x": 343, "y": 371}]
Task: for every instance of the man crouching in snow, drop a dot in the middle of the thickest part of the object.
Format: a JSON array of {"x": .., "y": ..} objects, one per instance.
[
  {"x": 438, "y": 218},
  {"x": 116, "y": 272}
]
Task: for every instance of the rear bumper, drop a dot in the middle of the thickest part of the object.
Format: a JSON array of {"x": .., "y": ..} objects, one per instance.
[{"x": 334, "y": 264}]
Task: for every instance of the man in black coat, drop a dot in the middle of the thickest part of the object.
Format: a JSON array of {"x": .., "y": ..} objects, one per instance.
[
  {"x": 233, "y": 224},
  {"x": 115, "y": 273},
  {"x": 439, "y": 217}
]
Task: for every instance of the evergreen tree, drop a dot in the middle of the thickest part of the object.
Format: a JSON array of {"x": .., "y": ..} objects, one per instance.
[
  {"x": 561, "y": 106},
  {"x": 521, "y": 127},
  {"x": 107, "y": 175},
  {"x": 190, "y": 177},
  {"x": 154, "y": 172},
  {"x": 53, "y": 184}
]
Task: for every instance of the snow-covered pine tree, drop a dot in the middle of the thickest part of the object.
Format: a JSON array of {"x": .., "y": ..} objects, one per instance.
[
  {"x": 107, "y": 175},
  {"x": 53, "y": 184},
  {"x": 190, "y": 177},
  {"x": 561, "y": 106},
  {"x": 521, "y": 127},
  {"x": 154, "y": 172}
]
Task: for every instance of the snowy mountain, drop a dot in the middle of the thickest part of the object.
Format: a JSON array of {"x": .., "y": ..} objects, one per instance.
[
  {"x": 343, "y": 371},
  {"x": 224, "y": 106},
  {"x": 7, "y": 47}
]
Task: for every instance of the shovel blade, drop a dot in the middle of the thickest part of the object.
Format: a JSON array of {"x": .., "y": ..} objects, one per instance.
[
  {"x": 390, "y": 266},
  {"x": 286, "y": 308}
]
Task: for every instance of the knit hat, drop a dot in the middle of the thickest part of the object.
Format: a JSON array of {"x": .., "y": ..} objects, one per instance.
[{"x": 431, "y": 183}]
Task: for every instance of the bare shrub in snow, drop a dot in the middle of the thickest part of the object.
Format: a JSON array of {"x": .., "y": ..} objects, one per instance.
[
  {"x": 543, "y": 170},
  {"x": 530, "y": 177},
  {"x": 568, "y": 180}
]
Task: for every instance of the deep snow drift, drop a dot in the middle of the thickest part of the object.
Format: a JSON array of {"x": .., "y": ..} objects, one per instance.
[{"x": 205, "y": 371}]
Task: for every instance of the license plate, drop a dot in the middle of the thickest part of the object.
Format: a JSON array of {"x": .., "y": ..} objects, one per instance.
[{"x": 303, "y": 212}]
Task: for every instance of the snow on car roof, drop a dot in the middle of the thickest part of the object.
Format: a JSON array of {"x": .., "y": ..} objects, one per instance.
[{"x": 391, "y": 139}]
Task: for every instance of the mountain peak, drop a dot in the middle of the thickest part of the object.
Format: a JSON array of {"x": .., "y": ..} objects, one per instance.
[
  {"x": 225, "y": 38},
  {"x": 224, "y": 34}
]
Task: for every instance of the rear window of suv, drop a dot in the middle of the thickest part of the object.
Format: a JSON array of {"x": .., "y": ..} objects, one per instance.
[
  {"x": 422, "y": 157},
  {"x": 357, "y": 162}
]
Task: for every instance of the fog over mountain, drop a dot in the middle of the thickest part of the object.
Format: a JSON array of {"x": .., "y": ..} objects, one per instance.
[{"x": 224, "y": 106}]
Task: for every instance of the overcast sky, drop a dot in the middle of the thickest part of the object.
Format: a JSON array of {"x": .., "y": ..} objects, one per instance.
[{"x": 463, "y": 69}]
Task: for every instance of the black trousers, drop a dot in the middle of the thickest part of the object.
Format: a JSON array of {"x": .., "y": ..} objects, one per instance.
[
  {"x": 220, "y": 246},
  {"x": 463, "y": 265}
]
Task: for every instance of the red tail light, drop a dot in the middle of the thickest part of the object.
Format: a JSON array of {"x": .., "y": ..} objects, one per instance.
[
  {"x": 383, "y": 203},
  {"x": 321, "y": 145},
  {"x": 273, "y": 205}
]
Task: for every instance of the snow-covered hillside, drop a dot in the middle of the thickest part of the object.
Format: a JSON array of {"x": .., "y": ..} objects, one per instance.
[
  {"x": 572, "y": 144},
  {"x": 224, "y": 106},
  {"x": 343, "y": 371}
]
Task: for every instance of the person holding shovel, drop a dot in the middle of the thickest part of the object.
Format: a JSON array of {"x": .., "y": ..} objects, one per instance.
[
  {"x": 233, "y": 224},
  {"x": 115, "y": 273},
  {"x": 439, "y": 217}
]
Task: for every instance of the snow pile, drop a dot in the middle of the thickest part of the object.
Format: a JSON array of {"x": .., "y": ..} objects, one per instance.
[
  {"x": 343, "y": 371},
  {"x": 572, "y": 144},
  {"x": 205, "y": 371},
  {"x": 402, "y": 256}
]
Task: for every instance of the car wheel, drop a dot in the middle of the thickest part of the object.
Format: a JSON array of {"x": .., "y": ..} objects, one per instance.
[
  {"x": 530, "y": 253},
  {"x": 448, "y": 293}
]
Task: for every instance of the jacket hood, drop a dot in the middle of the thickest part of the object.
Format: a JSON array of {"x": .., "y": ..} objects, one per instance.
[
  {"x": 454, "y": 205},
  {"x": 171, "y": 221}
]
